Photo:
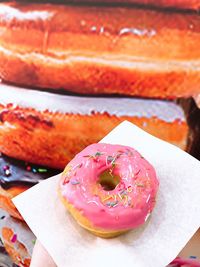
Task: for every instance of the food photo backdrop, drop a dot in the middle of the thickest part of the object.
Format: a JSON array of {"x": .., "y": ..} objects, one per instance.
[{"x": 73, "y": 70}]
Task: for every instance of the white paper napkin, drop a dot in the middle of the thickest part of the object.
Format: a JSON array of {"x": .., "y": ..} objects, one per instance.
[{"x": 174, "y": 220}]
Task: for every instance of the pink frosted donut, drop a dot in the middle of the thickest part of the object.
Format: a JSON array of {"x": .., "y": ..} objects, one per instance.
[{"x": 109, "y": 189}]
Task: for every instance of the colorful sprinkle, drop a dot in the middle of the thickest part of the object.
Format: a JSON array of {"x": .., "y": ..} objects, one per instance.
[
  {"x": 6, "y": 167},
  {"x": 34, "y": 170},
  {"x": 87, "y": 156},
  {"x": 107, "y": 198},
  {"x": 119, "y": 196},
  {"x": 33, "y": 241},
  {"x": 113, "y": 164},
  {"x": 42, "y": 170},
  {"x": 112, "y": 160},
  {"x": 128, "y": 153},
  {"x": 66, "y": 180},
  {"x": 125, "y": 197},
  {"x": 148, "y": 198},
  {"x": 78, "y": 166},
  {"x": 129, "y": 189},
  {"x": 139, "y": 185},
  {"x": 14, "y": 238},
  {"x": 109, "y": 159},
  {"x": 137, "y": 172},
  {"x": 7, "y": 172},
  {"x": 123, "y": 192},
  {"x": 115, "y": 197},
  {"x": 28, "y": 168},
  {"x": 98, "y": 154},
  {"x": 74, "y": 182},
  {"x": 112, "y": 203}
]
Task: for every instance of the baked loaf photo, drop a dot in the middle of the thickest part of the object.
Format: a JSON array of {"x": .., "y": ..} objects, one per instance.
[
  {"x": 100, "y": 50},
  {"x": 50, "y": 129}
]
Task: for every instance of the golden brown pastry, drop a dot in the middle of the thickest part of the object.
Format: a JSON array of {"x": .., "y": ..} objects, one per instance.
[
  {"x": 18, "y": 240},
  {"x": 6, "y": 203},
  {"x": 49, "y": 129},
  {"x": 93, "y": 187},
  {"x": 100, "y": 50}
]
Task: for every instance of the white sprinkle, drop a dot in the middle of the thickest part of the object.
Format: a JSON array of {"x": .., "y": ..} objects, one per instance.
[
  {"x": 83, "y": 188},
  {"x": 93, "y": 201},
  {"x": 148, "y": 198}
]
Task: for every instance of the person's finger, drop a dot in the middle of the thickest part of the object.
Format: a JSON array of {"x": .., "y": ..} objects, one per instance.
[
  {"x": 40, "y": 257},
  {"x": 186, "y": 263}
]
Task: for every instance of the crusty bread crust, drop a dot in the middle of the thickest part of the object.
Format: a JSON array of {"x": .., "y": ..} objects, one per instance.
[
  {"x": 97, "y": 50},
  {"x": 53, "y": 139}
]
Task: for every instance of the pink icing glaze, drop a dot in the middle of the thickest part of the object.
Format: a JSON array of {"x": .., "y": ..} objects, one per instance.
[{"x": 125, "y": 207}]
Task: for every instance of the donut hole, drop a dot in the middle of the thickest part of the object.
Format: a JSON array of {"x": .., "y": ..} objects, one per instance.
[{"x": 108, "y": 181}]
